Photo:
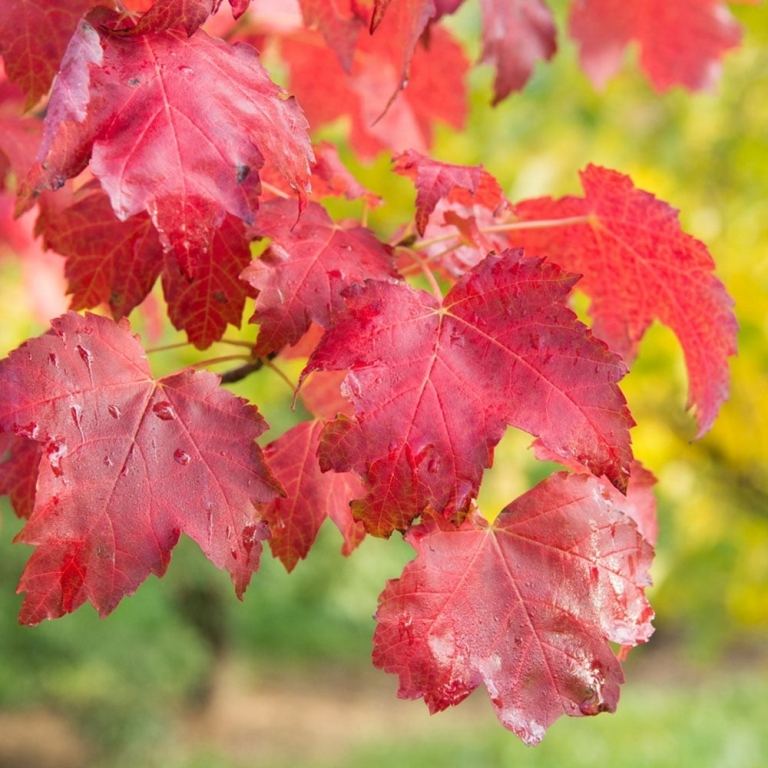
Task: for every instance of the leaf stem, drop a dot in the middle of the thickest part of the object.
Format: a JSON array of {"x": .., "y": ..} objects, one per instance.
[
  {"x": 182, "y": 344},
  {"x": 509, "y": 226},
  {"x": 268, "y": 363},
  {"x": 267, "y": 187},
  {"x": 428, "y": 273},
  {"x": 222, "y": 359}
]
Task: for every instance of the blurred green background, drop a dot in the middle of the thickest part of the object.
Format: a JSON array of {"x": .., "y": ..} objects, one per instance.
[{"x": 183, "y": 676}]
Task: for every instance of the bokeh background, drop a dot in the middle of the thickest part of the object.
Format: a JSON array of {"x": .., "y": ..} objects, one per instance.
[{"x": 182, "y": 675}]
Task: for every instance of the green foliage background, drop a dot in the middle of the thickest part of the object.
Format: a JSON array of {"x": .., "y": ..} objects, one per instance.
[{"x": 122, "y": 682}]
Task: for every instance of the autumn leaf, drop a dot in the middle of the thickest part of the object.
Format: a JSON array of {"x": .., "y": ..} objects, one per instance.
[
  {"x": 639, "y": 266},
  {"x": 33, "y": 37},
  {"x": 312, "y": 496},
  {"x": 525, "y": 607},
  {"x": 116, "y": 263},
  {"x": 129, "y": 463},
  {"x": 433, "y": 387},
  {"x": 436, "y": 181},
  {"x": 310, "y": 261},
  {"x": 172, "y": 126}
]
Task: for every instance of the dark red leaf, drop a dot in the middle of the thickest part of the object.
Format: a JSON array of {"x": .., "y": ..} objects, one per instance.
[
  {"x": 129, "y": 463},
  {"x": 172, "y": 126},
  {"x": 33, "y": 37},
  {"x": 525, "y": 607},
  {"x": 108, "y": 261},
  {"x": 681, "y": 42},
  {"x": 204, "y": 304},
  {"x": 436, "y": 181},
  {"x": 300, "y": 277},
  {"x": 639, "y": 266},
  {"x": 117, "y": 262},
  {"x": 516, "y": 35},
  {"x": 311, "y": 497},
  {"x": 434, "y": 387}
]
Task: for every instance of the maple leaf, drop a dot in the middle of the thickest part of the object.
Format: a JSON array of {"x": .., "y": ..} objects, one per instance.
[
  {"x": 172, "y": 126},
  {"x": 638, "y": 266},
  {"x": 204, "y": 305},
  {"x": 433, "y": 386},
  {"x": 436, "y": 181},
  {"x": 189, "y": 14},
  {"x": 115, "y": 262},
  {"x": 435, "y": 91},
  {"x": 18, "y": 473},
  {"x": 108, "y": 261},
  {"x": 680, "y": 42},
  {"x": 524, "y": 606},
  {"x": 33, "y": 37},
  {"x": 300, "y": 277},
  {"x": 129, "y": 463},
  {"x": 516, "y": 35},
  {"x": 311, "y": 497}
]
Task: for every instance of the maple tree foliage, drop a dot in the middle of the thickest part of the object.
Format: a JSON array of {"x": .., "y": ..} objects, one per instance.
[
  {"x": 504, "y": 338},
  {"x": 444, "y": 630},
  {"x": 130, "y": 463},
  {"x": 632, "y": 254},
  {"x": 148, "y": 142}
]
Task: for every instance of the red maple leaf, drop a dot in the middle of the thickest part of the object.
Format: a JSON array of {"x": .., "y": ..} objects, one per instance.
[
  {"x": 516, "y": 35},
  {"x": 434, "y": 386},
  {"x": 108, "y": 261},
  {"x": 681, "y": 42},
  {"x": 638, "y": 266},
  {"x": 33, "y": 37},
  {"x": 18, "y": 473},
  {"x": 435, "y": 89},
  {"x": 117, "y": 262},
  {"x": 525, "y": 606},
  {"x": 436, "y": 181},
  {"x": 311, "y": 496},
  {"x": 172, "y": 126},
  {"x": 300, "y": 277},
  {"x": 203, "y": 305},
  {"x": 129, "y": 463}
]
